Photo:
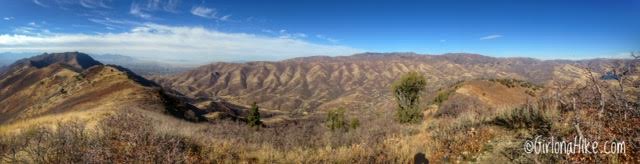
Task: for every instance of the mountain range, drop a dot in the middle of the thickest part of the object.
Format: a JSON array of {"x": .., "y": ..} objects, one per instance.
[{"x": 316, "y": 83}]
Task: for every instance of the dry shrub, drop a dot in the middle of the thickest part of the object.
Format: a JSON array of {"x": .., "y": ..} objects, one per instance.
[
  {"x": 459, "y": 104},
  {"x": 124, "y": 138},
  {"x": 527, "y": 117},
  {"x": 307, "y": 141},
  {"x": 461, "y": 138}
]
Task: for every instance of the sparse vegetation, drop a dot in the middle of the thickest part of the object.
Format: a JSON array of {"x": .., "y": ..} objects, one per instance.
[
  {"x": 137, "y": 138},
  {"x": 515, "y": 82},
  {"x": 443, "y": 94},
  {"x": 407, "y": 92},
  {"x": 125, "y": 138}
]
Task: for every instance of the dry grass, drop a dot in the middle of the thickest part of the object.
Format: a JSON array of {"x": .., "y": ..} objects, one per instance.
[{"x": 90, "y": 117}]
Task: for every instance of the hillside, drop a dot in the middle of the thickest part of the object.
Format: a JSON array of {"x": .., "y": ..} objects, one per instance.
[
  {"x": 484, "y": 96},
  {"x": 51, "y": 86},
  {"x": 361, "y": 80}
]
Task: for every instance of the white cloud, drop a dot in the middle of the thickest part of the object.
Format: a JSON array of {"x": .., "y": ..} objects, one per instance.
[
  {"x": 37, "y": 2},
  {"x": 172, "y": 6},
  {"x": 225, "y": 18},
  {"x": 144, "y": 8},
  {"x": 204, "y": 12},
  {"x": 63, "y": 4},
  {"x": 95, "y": 3},
  {"x": 136, "y": 10},
  {"x": 332, "y": 40},
  {"x": 160, "y": 42},
  {"x": 267, "y": 31},
  {"x": 31, "y": 30},
  {"x": 8, "y": 18},
  {"x": 491, "y": 37},
  {"x": 209, "y": 13},
  {"x": 114, "y": 23},
  {"x": 284, "y": 34}
]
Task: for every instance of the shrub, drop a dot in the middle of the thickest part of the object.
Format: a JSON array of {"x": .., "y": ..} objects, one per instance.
[
  {"x": 442, "y": 96},
  {"x": 407, "y": 92},
  {"x": 510, "y": 83},
  {"x": 336, "y": 120},
  {"x": 527, "y": 117},
  {"x": 459, "y": 104},
  {"x": 253, "y": 119},
  {"x": 123, "y": 138},
  {"x": 355, "y": 123}
]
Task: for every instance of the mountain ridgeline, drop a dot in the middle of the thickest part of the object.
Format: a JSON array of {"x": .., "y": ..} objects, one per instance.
[
  {"x": 68, "y": 83},
  {"x": 361, "y": 80}
]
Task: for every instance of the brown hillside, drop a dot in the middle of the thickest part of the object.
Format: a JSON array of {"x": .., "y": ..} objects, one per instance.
[
  {"x": 362, "y": 80},
  {"x": 62, "y": 83},
  {"x": 484, "y": 96}
]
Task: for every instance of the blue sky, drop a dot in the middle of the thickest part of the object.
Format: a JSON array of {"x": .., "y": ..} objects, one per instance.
[{"x": 209, "y": 30}]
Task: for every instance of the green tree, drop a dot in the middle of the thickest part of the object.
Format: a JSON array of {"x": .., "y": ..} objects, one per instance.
[
  {"x": 253, "y": 119},
  {"x": 407, "y": 92}
]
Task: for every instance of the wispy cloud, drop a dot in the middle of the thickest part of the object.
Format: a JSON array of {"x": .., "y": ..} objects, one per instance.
[
  {"x": 204, "y": 12},
  {"x": 95, "y": 3},
  {"x": 172, "y": 6},
  {"x": 32, "y": 28},
  {"x": 8, "y": 18},
  {"x": 284, "y": 34},
  {"x": 209, "y": 13},
  {"x": 37, "y": 2},
  {"x": 33, "y": 24},
  {"x": 136, "y": 10},
  {"x": 225, "y": 18},
  {"x": 489, "y": 37},
  {"x": 161, "y": 42},
  {"x": 323, "y": 37},
  {"x": 144, "y": 8},
  {"x": 114, "y": 23},
  {"x": 63, "y": 4}
]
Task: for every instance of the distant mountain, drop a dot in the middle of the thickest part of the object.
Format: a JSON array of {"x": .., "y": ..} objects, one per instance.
[
  {"x": 357, "y": 81},
  {"x": 7, "y": 58},
  {"x": 141, "y": 67},
  {"x": 73, "y": 83},
  {"x": 114, "y": 59}
]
